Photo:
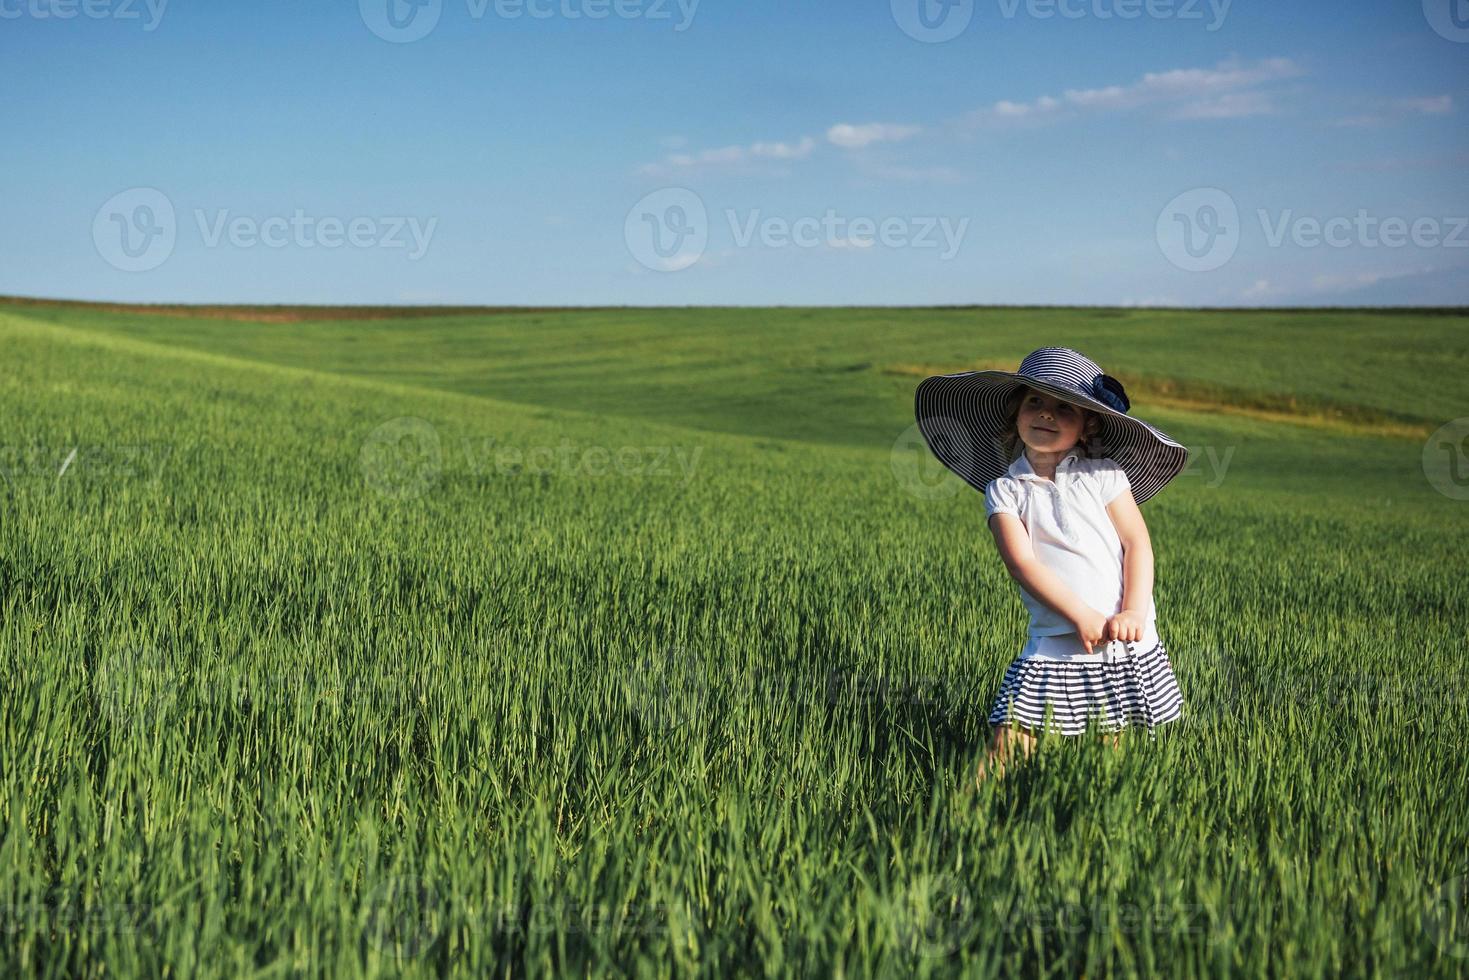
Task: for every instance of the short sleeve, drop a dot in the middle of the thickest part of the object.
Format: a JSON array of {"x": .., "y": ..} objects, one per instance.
[
  {"x": 1000, "y": 497},
  {"x": 1113, "y": 481}
]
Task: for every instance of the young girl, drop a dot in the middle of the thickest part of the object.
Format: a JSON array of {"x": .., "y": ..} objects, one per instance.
[{"x": 1063, "y": 469}]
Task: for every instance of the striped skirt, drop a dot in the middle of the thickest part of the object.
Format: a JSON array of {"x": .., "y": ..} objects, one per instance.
[{"x": 1120, "y": 685}]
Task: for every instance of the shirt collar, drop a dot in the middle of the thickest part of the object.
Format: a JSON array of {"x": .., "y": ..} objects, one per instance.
[{"x": 1022, "y": 470}]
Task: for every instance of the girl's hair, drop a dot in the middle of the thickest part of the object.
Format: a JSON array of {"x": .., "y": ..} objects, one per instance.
[{"x": 1090, "y": 440}]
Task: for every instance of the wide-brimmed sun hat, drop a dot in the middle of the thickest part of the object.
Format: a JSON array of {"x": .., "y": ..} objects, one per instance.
[{"x": 964, "y": 420}]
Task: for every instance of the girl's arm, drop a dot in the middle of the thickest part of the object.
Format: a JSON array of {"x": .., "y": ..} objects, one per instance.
[
  {"x": 1137, "y": 556},
  {"x": 1013, "y": 542}
]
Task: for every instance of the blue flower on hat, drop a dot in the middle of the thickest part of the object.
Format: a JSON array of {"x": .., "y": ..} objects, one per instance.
[{"x": 1109, "y": 391}]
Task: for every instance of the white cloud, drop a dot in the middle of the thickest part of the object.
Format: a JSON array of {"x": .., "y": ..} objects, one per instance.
[
  {"x": 729, "y": 156},
  {"x": 1363, "y": 120},
  {"x": 1230, "y": 89},
  {"x": 1260, "y": 289},
  {"x": 852, "y": 137},
  {"x": 1437, "y": 105},
  {"x": 915, "y": 175},
  {"x": 1231, "y": 105},
  {"x": 784, "y": 151},
  {"x": 1336, "y": 284},
  {"x": 1389, "y": 109}
]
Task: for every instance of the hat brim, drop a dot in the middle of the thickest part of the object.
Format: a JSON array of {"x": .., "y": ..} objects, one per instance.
[{"x": 962, "y": 418}]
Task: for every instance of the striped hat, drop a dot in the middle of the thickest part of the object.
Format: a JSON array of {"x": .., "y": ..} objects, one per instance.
[{"x": 963, "y": 419}]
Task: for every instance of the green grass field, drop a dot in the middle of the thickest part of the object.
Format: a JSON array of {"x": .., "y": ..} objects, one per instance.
[{"x": 648, "y": 643}]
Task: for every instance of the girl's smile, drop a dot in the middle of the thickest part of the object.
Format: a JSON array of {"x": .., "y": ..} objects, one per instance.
[{"x": 1048, "y": 424}]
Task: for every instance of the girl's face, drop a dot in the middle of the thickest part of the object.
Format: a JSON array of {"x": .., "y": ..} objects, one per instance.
[{"x": 1048, "y": 425}]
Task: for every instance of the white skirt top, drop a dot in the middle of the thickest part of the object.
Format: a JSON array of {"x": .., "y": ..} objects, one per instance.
[{"x": 1068, "y": 647}]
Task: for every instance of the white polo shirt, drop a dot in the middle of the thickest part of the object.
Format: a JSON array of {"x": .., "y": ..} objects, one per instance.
[{"x": 1072, "y": 535}]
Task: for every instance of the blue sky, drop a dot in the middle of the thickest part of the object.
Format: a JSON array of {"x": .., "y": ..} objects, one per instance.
[{"x": 1135, "y": 152}]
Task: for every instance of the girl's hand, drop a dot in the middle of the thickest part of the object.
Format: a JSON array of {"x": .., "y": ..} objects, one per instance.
[
  {"x": 1091, "y": 627},
  {"x": 1126, "y": 626}
]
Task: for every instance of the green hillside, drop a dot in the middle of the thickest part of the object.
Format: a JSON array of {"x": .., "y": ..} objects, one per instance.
[{"x": 642, "y": 640}]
